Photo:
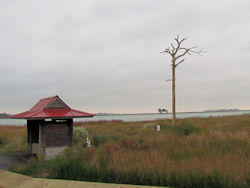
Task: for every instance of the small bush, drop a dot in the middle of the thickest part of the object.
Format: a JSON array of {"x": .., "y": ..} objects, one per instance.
[
  {"x": 186, "y": 129},
  {"x": 79, "y": 135},
  {"x": 147, "y": 125},
  {"x": 2, "y": 141},
  {"x": 101, "y": 139},
  {"x": 36, "y": 167}
]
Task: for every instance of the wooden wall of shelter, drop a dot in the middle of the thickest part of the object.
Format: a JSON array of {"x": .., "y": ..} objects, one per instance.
[{"x": 43, "y": 134}]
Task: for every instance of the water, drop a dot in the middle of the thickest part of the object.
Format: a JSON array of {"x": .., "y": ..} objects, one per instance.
[{"x": 138, "y": 117}]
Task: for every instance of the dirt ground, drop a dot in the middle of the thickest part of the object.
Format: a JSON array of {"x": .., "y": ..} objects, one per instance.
[{"x": 13, "y": 180}]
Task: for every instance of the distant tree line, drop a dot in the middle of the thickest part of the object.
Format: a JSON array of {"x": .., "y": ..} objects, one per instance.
[{"x": 3, "y": 115}]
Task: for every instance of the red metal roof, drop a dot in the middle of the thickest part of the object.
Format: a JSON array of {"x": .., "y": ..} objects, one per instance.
[
  {"x": 42, "y": 103},
  {"x": 52, "y": 107}
]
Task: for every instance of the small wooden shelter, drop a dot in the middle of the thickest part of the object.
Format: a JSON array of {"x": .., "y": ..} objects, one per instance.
[{"x": 50, "y": 126}]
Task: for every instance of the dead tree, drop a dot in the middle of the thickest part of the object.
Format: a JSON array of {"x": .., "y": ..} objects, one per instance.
[{"x": 177, "y": 53}]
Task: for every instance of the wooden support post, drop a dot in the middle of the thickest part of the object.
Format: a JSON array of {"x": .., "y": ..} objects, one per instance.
[
  {"x": 43, "y": 127},
  {"x": 70, "y": 132},
  {"x": 29, "y": 138},
  {"x": 40, "y": 139},
  {"x": 27, "y": 144}
]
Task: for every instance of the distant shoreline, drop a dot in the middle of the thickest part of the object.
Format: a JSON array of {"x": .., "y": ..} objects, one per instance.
[
  {"x": 206, "y": 111},
  {"x": 155, "y": 113},
  {"x": 4, "y": 115},
  {"x": 140, "y": 116}
]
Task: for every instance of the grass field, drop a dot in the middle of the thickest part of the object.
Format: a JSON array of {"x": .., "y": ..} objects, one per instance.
[
  {"x": 12, "y": 139},
  {"x": 198, "y": 152}
]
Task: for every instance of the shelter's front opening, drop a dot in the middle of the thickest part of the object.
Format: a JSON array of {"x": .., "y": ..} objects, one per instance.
[{"x": 33, "y": 136}]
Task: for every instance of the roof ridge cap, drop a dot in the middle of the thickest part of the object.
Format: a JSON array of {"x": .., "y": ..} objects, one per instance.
[{"x": 49, "y": 97}]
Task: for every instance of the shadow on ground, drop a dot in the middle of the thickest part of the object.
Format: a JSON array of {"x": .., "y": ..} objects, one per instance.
[{"x": 10, "y": 160}]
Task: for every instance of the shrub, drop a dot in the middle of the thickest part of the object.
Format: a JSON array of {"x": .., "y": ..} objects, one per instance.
[
  {"x": 79, "y": 135},
  {"x": 36, "y": 167},
  {"x": 185, "y": 129},
  {"x": 101, "y": 139},
  {"x": 147, "y": 125},
  {"x": 2, "y": 141}
]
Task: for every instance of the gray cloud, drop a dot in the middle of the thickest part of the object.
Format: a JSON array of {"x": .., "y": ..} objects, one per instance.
[{"x": 104, "y": 56}]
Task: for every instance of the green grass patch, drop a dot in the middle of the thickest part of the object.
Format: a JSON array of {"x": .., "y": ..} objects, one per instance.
[
  {"x": 227, "y": 145},
  {"x": 184, "y": 129},
  {"x": 101, "y": 139}
]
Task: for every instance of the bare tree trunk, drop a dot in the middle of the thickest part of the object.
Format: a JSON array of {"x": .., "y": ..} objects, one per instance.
[
  {"x": 177, "y": 53},
  {"x": 173, "y": 94}
]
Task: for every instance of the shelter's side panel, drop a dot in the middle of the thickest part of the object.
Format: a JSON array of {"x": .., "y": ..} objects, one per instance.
[{"x": 57, "y": 134}]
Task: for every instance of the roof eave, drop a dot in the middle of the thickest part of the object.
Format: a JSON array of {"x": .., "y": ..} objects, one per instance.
[{"x": 41, "y": 118}]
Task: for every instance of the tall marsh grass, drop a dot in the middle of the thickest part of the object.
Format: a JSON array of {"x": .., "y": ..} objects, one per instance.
[
  {"x": 12, "y": 139},
  {"x": 198, "y": 152}
]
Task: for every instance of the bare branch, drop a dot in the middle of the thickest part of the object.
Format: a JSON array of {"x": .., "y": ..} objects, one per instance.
[
  {"x": 172, "y": 46},
  {"x": 183, "y": 54},
  {"x": 183, "y": 40},
  {"x": 174, "y": 50},
  {"x": 168, "y": 52},
  {"x": 178, "y": 44},
  {"x": 177, "y": 38},
  {"x": 201, "y": 52},
  {"x": 170, "y": 80},
  {"x": 189, "y": 51},
  {"x": 180, "y": 62}
]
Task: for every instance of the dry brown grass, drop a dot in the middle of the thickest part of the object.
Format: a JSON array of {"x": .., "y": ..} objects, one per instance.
[
  {"x": 198, "y": 152},
  {"x": 12, "y": 138},
  {"x": 222, "y": 145}
]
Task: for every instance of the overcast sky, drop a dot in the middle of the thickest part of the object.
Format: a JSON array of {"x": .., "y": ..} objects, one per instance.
[{"x": 104, "y": 56}]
